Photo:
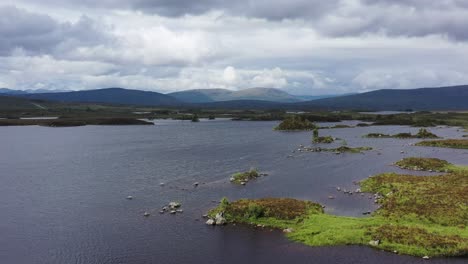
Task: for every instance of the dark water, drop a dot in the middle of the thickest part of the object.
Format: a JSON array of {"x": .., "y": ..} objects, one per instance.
[{"x": 63, "y": 191}]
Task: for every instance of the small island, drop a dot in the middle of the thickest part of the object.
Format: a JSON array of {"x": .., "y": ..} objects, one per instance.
[
  {"x": 425, "y": 164},
  {"x": 317, "y": 139},
  {"x": 409, "y": 221},
  {"x": 446, "y": 143},
  {"x": 244, "y": 177},
  {"x": 422, "y": 133},
  {"x": 295, "y": 123}
]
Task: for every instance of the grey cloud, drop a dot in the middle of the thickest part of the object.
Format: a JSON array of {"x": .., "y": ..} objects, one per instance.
[
  {"x": 40, "y": 34},
  {"x": 332, "y": 17},
  {"x": 268, "y": 9}
]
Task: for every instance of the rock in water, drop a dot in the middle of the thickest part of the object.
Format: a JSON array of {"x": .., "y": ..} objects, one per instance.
[
  {"x": 146, "y": 214},
  {"x": 288, "y": 230},
  {"x": 129, "y": 197},
  {"x": 173, "y": 205},
  {"x": 374, "y": 243},
  {"x": 210, "y": 222},
  {"x": 219, "y": 219}
]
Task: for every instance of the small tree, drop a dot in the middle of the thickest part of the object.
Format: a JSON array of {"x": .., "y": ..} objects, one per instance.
[{"x": 316, "y": 134}]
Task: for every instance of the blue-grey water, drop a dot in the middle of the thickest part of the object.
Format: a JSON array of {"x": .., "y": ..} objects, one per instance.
[{"x": 63, "y": 191}]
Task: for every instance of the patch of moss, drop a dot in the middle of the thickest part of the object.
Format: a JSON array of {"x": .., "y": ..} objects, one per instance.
[
  {"x": 295, "y": 123},
  {"x": 243, "y": 177},
  {"x": 446, "y": 143}
]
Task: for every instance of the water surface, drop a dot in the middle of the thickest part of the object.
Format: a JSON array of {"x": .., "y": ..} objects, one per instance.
[{"x": 63, "y": 190}]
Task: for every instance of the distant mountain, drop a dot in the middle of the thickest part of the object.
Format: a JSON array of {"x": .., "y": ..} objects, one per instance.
[
  {"x": 10, "y": 91},
  {"x": 440, "y": 98},
  {"x": 109, "y": 96},
  {"x": 316, "y": 97},
  {"x": 217, "y": 95},
  {"x": 6, "y": 91}
]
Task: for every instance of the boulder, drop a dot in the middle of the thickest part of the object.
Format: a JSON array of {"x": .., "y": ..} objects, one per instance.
[
  {"x": 173, "y": 205},
  {"x": 288, "y": 230},
  {"x": 219, "y": 219},
  {"x": 210, "y": 222},
  {"x": 146, "y": 214},
  {"x": 374, "y": 243}
]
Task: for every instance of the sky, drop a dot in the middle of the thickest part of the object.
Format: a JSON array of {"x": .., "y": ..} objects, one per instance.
[{"x": 304, "y": 47}]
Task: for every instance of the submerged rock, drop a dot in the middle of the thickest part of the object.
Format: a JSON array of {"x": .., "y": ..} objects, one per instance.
[
  {"x": 129, "y": 197},
  {"x": 146, "y": 214}
]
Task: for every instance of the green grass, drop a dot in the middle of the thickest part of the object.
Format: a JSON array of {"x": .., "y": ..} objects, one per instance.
[
  {"x": 446, "y": 143},
  {"x": 419, "y": 216}
]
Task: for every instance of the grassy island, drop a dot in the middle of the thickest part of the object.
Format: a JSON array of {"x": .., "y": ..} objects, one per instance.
[
  {"x": 317, "y": 139},
  {"x": 295, "y": 123},
  {"x": 426, "y": 164},
  {"x": 346, "y": 149},
  {"x": 422, "y": 133},
  {"x": 418, "y": 215},
  {"x": 447, "y": 143},
  {"x": 244, "y": 177}
]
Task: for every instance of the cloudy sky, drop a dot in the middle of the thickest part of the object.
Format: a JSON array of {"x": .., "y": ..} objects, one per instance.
[{"x": 301, "y": 46}]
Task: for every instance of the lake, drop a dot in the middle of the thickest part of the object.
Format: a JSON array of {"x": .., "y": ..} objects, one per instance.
[{"x": 63, "y": 190}]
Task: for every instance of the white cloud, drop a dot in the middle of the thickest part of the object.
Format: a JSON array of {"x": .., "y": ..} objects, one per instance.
[{"x": 355, "y": 46}]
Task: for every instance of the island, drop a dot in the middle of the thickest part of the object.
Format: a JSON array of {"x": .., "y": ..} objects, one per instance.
[
  {"x": 418, "y": 215},
  {"x": 295, "y": 123},
  {"x": 422, "y": 133},
  {"x": 446, "y": 143}
]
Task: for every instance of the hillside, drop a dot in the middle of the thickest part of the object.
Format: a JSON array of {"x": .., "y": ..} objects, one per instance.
[
  {"x": 441, "y": 98},
  {"x": 218, "y": 95},
  {"x": 15, "y": 103},
  {"x": 109, "y": 96}
]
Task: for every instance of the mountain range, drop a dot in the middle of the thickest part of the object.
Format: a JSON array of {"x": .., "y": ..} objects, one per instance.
[
  {"x": 441, "y": 98},
  {"x": 218, "y": 95}
]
